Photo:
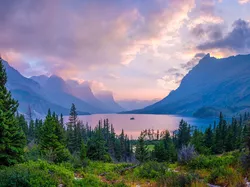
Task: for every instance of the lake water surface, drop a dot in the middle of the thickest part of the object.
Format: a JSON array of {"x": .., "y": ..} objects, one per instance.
[{"x": 144, "y": 121}]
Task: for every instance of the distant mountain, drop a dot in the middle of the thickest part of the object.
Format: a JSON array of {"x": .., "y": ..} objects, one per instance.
[
  {"x": 60, "y": 93},
  {"x": 29, "y": 92},
  {"x": 41, "y": 79},
  {"x": 66, "y": 92},
  {"x": 107, "y": 98},
  {"x": 84, "y": 92},
  {"x": 211, "y": 86},
  {"x": 134, "y": 104}
]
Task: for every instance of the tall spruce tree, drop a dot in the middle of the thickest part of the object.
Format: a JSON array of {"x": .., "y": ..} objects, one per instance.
[
  {"x": 71, "y": 130},
  {"x": 12, "y": 138},
  {"x": 141, "y": 151},
  {"x": 183, "y": 134},
  {"x": 51, "y": 144}
]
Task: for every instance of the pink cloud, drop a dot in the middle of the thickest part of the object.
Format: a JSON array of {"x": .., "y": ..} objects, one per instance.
[{"x": 68, "y": 40}]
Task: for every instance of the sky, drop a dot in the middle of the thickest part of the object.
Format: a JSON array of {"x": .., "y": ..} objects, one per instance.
[{"x": 138, "y": 49}]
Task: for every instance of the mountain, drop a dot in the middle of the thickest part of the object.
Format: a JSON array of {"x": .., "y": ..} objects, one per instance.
[
  {"x": 66, "y": 92},
  {"x": 29, "y": 93},
  {"x": 134, "y": 104},
  {"x": 213, "y": 85},
  {"x": 41, "y": 79},
  {"x": 84, "y": 92},
  {"x": 59, "y": 92},
  {"x": 107, "y": 98}
]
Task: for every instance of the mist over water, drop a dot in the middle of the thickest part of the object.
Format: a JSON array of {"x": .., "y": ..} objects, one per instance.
[{"x": 144, "y": 121}]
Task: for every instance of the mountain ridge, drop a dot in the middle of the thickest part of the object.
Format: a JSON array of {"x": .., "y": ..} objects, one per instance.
[{"x": 218, "y": 83}]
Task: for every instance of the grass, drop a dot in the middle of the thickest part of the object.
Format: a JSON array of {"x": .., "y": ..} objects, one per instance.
[{"x": 218, "y": 170}]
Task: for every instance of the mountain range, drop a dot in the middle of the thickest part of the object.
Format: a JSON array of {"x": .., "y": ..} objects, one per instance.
[
  {"x": 213, "y": 85},
  {"x": 43, "y": 92}
]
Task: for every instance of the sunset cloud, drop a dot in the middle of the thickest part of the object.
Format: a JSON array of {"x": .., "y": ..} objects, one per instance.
[
  {"x": 89, "y": 34},
  {"x": 127, "y": 46}
]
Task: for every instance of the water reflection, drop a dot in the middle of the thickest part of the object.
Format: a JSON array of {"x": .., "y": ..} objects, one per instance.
[{"x": 133, "y": 127}]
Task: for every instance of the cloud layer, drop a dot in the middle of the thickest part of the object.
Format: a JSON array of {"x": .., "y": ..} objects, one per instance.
[
  {"x": 86, "y": 34},
  {"x": 136, "y": 48},
  {"x": 238, "y": 40}
]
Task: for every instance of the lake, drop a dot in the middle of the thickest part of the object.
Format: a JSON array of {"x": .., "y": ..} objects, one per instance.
[{"x": 144, "y": 121}]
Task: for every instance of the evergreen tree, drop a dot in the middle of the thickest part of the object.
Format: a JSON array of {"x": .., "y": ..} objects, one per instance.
[
  {"x": 160, "y": 152},
  {"x": 141, "y": 151},
  {"x": 208, "y": 138},
  {"x": 83, "y": 152},
  {"x": 198, "y": 141},
  {"x": 96, "y": 146},
  {"x": 183, "y": 134},
  {"x": 12, "y": 138},
  {"x": 24, "y": 125},
  {"x": 220, "y": 136},
  {"x": 31, "y": 134},
  {"x": 50, "y": 143},
  {"x": 71, "y": 130}
]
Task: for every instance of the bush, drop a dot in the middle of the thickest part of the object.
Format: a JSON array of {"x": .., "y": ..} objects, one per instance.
[
  {"x": 225, "y": 177},
  {"x": 245, "y": 162},
  {"x": 174, "y": 179},
  {"x": 151, "y": 170},
  {"x": 101, "y": 167},
  {"x": 35, "y": 174},
  {"x": 89, "y": 180},
  {"x": 186, "y": 154},
  {"x": 210, "y": 162},
  {"x": 111, "y": 176},
  {"x": 32, "y": 153}
]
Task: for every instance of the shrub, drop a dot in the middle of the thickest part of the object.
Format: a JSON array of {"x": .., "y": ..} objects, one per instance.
[
  {"x": 225, "y": 177},
  {"x": 151, "y": 170},
  {"x": 186, "y": 154},
  {"x": 89, "y": 180},
  {"x": 174, "y": 179},
  {"x": 245, "y": 162},
  {"x": 111, "y": 176},
  {"x": 32, "y": 154},
  {"x": 38, "y": 173},
  {"x": 210, "y": 162}
]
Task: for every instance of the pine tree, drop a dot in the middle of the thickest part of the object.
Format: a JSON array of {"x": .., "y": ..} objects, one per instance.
[
  {"x": 220, "y": 136},
  {"x": 83, "y": 152},
  {"x": 122, "y": 142},
  {"x": 141, "y": 151},
  {"x": 197, "y": 141},
  {"x": 71, "y": 130},
  {"x": 23, "y": 123},
  {"x": 31, "y": 134},
  {"x": 50, "y": 144},
  {"x": 96, "y": 146},
  {"x": 208, "y": 137},
  {"x": 160, "y": 152},
  {"x": 12, "y": 138},
  {"x": 183, "y": 134}
]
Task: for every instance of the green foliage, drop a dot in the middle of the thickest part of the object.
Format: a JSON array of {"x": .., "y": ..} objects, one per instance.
[
  {"x": 12, "y": 138},
  {"x": 151, "y": 170},
  {"x": 226, "y": 176},
  {"x": 32, "y": 174},
  {"x": 174, "y": 179},
  {"x": 83, "y": 152},
  {"x": 112, "y": 176},
  {"x": 32, "y": 153},
  {"x": 212, "y": 162},
  {"x": 89, "y": 180},
  {"x": 51, "y": 144},
  {"x": 141, "y": 151},
  {"x": 183, "y": 134}
]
